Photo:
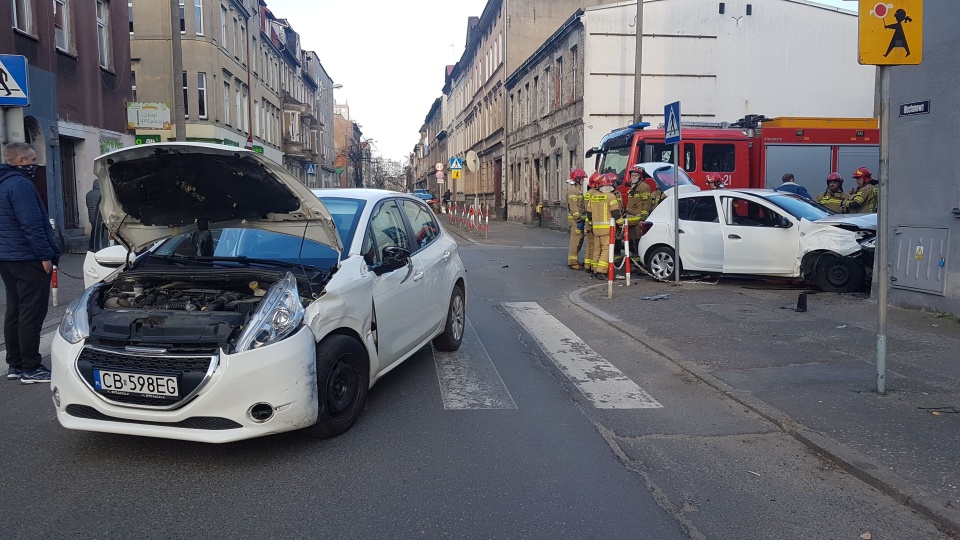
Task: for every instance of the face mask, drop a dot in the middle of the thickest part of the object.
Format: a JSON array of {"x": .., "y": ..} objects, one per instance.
[{"x": 28, "y": 170}]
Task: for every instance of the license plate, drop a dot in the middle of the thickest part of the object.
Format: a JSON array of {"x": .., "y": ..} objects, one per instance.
[{"x": 114, "y": 382}]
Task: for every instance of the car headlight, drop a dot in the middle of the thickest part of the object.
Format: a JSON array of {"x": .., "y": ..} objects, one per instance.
[
  {"x": 75, "y": 325},
  {"x": 870, "y": 243},
  {"x": 278, "y": 316}
]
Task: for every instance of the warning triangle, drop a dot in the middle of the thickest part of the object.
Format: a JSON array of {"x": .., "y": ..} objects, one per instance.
[
  {"x": 9, "y": 87},
  {"x": 673, "y": 129}
]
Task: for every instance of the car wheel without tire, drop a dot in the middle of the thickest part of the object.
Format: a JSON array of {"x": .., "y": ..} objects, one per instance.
[
  {"x": 839, "y": 274},
  {"x": 343, "y": 377},
  {"x": 452, "y": 334},
  {"x": 661, "y": 263}
]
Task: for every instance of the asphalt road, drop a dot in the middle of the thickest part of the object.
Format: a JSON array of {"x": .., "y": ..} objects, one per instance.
[{"x": 509, "y": 444}]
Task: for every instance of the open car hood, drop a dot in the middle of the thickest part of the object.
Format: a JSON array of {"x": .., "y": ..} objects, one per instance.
[{"x": 150, "y": 192}]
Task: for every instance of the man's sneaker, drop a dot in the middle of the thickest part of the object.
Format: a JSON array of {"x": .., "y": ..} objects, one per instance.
[
  {"x": 39, "y": 375},
  {"x": 13, "y": 373}
]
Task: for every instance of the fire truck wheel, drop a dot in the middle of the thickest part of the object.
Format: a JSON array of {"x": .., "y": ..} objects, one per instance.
[
  {"x": 839, "y": 274},
  {"x": 661, "y": 263}
]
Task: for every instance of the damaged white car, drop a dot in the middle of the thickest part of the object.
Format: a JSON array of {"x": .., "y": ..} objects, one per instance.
[
  {"x": 760, "y": 232},
  {"x": 262, "y": 310}
]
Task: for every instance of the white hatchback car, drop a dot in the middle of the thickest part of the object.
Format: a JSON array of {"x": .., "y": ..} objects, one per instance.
[
  {"x": 760, "y": 232},
  {"x": 252, "y": 316}
]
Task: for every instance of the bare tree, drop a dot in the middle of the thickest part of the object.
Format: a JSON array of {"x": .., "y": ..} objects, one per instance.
[
  {"x": 378, "y": 173},
  {"x": 355, "y": 156}
]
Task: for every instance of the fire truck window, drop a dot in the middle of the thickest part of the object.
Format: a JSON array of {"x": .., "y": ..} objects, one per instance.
[
  {"x": 689, "y": 157},
  {"x": 719, "y": 158},
  {"x": 749, "y": 214},
  {"x": 615, "y": 160},
  {"x": 662, "y": 152}
]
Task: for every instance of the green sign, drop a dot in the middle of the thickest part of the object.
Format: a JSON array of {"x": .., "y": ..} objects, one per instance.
[
  {"x": 258, "y": 149},
  {"x": 109, "y": 145},
  {"x": 146, "y": 139},
  {"x": 228, "y": 142}
]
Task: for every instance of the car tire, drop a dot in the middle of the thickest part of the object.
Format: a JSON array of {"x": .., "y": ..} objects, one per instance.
[
  {"x": 661, "y": 263},
  {"x": 839, "y": 274},
  {"x": 453, "y": 329},
  {"x": 343, "y": 377}
]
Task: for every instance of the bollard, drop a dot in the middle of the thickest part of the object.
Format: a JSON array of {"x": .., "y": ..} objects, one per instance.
[
  {"x": 626, "y": 251},
  {"x": 487, "y": 218},
  {"x": 53, "y": 287},
  {"x": 801, "y": 303},
  {"x": 613, "y": 233}
]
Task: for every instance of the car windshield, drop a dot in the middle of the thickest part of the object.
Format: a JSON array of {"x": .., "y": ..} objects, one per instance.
[
  {"x": 615, "y": 160},
  {"x": 346, "y": 213},
  {"x": 243, "y": 243},
  {"x": 799, "y": 207}
]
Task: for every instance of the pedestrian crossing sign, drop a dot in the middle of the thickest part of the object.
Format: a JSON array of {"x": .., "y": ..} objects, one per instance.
[
  {"x": 456, "y": 163},
  {"x": 14, "y": 91},
  {"x": 671, "y": 123}
]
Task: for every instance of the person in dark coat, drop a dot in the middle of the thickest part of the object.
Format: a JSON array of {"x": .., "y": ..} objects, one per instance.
[
  {"x": 792, "y": 187},
  {"x": 28, "y": 252},
  {"x": 93, "y": 202}
]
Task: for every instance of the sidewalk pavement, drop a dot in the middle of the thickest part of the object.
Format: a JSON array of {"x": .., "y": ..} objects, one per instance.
[{"x": 811, "y": 373}]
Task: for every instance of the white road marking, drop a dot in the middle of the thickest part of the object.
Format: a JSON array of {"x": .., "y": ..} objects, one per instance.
[
  {"x": 468, "y": 379},
  {"x": 599, "y": 381},
  {"x": 45, "y": 341}
]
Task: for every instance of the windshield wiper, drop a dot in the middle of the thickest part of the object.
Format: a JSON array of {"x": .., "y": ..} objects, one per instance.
[{"x": 248, "y": 261}]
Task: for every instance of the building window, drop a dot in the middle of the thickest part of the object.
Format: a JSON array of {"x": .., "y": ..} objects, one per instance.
[
  {"x": 198, "y": 16},
  {"x": 243, "y": 44},
  {"x": 246, "y": 110},
  {"x": 573, "y": 74},
  {"x": 226, "y": 103},
  {"x": 103, "y": 32},
  {"x": 186, "y": 102},
  {"x": 223, "y": 27},
  {"x": 133, "y": 85},
  {"x": 130, "y": 15},
  {"x": 183, "y": 20},
  {"x": 536, "y": 99},
  {"x": 547, "y": 92},
  {"x": 202, "y": 94},
  {"x": 236, "y": 37},
  {"x": 23, "y": 15},
  {"x": 239, "y": 109},
  {"x": 256, "y": 119},
  {"x": 558, "y": 84},
  {"x": 61, "y": 25}
]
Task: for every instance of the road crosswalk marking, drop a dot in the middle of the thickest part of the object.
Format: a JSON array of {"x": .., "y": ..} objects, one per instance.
[
  {"x": 46, "y": 340},
  {"x": 468, "y": 379},
  {"x": 596, "y": 378}
]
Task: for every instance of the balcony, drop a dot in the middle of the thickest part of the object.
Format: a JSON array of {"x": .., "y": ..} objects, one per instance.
[
  {"x": 292, "y": 148},
  {"x": 291, "y": 104}
]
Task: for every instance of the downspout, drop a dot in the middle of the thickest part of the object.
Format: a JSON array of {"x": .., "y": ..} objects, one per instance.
[{"x": 505, "y": 170}]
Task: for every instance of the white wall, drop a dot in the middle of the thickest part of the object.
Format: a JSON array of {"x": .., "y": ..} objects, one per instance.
[{"x": 789, "y": 58}]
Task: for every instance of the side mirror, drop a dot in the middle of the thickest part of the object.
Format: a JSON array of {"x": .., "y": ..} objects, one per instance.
[
  {"x": 784, "y": 223},
  {"x": 392, "y": 257},
  {"x": 114, "y": 256}
]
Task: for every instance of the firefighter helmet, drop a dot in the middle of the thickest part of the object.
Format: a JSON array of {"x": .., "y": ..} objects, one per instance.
[
  {"x": 863, "y": 172},
  {"x": 578, "y": 174},
  {"x": 835, "y": 177},
  {"x": 592, "y": 183},
  {"x": 637, "y": 169},
  {"x": 607, "y": 180},
  {"x": 714, "y": 181}
]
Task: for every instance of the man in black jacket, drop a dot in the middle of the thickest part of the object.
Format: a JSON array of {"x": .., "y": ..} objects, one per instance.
[{"x": 28, "y": 252}]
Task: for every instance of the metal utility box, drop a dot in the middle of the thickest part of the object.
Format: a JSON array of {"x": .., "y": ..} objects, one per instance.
[{"x": 920, "y": 259}]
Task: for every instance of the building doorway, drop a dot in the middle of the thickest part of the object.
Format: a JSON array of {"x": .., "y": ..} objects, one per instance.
[
  {"x": 68, "y": 181},
  {"x": 497, "y": 183}
]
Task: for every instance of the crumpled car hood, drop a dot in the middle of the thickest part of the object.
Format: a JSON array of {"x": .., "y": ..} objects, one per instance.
[
  {"x": 151, "y": 192},
  {"x": 866, "y": 222},
  {"x": 821, "y": 235}
]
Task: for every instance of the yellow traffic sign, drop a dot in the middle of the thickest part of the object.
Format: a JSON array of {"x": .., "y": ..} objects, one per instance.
[
  {"x": 455, "y": 174},
  {"x": 891, "y": 33}
]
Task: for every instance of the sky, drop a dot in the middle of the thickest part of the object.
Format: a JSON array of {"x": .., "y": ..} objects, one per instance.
[{"x": 390, "y": 55}]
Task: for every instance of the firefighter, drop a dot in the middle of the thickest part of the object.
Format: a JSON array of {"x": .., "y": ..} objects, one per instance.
[
  {"x": 637, "y": 196},
  {"x": 834, "y": 196},
  {"x": 575, "y": 216},
  {"x": 651, "y": 200},
  {"x": 714, "y": 181},
  {"x": 588, "y": 224},
  {"x": 603, "y": 205},
  {"x": 867, "y": 195}
]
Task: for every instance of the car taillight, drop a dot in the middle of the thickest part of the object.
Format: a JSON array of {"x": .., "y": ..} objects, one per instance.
[{"x": 645, "y": 226}]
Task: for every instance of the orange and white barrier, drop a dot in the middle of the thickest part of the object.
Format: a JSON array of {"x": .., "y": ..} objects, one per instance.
[
  {"x": 54, "y": 286},
  {"x": 487, "y": 218},
  {"x": 626, "y": 251},
  {"x": 613, "y": 239}
]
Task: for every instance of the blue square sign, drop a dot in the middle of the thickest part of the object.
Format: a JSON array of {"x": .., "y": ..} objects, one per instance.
[
  {"x": 671, "y": 123},
  {"x": 14, "y": 91}
]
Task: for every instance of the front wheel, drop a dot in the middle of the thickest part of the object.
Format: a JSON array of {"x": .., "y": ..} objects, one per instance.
[
  {"x": 452, "y": 335},
  {"x": 662, "y": 263},
  {"x": 839, "y": 274},
  {"x": 343, "y": 377}
]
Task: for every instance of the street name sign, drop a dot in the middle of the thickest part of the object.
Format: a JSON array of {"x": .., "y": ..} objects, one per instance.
[{"x": 917, "y": 107}]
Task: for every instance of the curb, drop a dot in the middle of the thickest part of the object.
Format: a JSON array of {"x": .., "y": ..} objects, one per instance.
[{"x": 849, "y": 460}]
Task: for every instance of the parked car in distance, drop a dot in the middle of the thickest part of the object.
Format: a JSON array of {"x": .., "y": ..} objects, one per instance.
[
  {"x": 760, "y": 232},
  {"x": 253, "y": 307},
  {"x": 426, "y": 196}
]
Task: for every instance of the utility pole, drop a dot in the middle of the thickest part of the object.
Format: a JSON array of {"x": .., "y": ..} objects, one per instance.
[
  {"x": 179, "y": 114},
  {"x": 638, "y": 62}
]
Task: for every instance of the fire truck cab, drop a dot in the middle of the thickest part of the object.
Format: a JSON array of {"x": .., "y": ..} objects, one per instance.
[{"x": 754, "y": 152}]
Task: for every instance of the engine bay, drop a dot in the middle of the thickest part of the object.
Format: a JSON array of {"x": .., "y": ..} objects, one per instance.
[{"x": 183, "y": 296}]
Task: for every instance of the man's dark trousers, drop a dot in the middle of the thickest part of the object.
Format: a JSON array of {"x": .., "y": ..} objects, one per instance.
[{"x": 27, "y": 287}]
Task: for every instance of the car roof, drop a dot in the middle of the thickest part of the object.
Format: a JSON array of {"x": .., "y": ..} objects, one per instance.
[
  {"x": 758, "y": 192},
  {"x": 363, "y": 194}
]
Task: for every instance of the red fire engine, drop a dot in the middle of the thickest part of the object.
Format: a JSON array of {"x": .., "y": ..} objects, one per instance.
[{"x": 754, "y": 152}]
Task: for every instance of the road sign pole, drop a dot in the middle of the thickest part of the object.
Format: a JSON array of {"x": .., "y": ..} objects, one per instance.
[
  {"x": 883, "y": 213},
  {"x": 676, "y": 213}
]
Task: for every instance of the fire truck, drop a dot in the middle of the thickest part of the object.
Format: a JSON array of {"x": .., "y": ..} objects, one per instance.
[{"x": 753, "y": 152}]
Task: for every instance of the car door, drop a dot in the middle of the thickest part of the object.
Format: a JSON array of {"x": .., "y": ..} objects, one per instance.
[
  {"x": 435, "y": 253},
  {"x": 398, "y": 295},
  {"x": 701, "y": 240},
  {"x": 755, "y": 240}
]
